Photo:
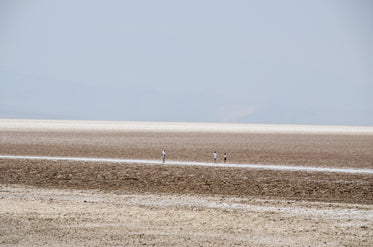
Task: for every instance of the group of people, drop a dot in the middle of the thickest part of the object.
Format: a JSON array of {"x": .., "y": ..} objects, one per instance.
[{"x": 215, "y": 157}]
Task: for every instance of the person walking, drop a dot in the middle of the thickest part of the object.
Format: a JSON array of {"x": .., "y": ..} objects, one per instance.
[
  {"x": 225, "y": 158},
  {"x": 164, "y": 156},
  {"x": 215, "y": 156}
]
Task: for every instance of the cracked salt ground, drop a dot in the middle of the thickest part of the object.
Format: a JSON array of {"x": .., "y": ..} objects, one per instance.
[
  {"x": 64, "y": 217},
  {"x": 356, "y": 212}
]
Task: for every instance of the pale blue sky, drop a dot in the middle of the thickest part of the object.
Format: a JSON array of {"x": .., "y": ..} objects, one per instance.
[{"x": 286, "y": 62}]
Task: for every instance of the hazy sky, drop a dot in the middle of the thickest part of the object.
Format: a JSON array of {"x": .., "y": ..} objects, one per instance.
[{"x": 293, "y": 62}]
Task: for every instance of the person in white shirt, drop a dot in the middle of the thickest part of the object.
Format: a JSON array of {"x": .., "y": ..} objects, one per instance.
[
  {"x": 164, "y": 156},
  {"x": 225, "y": 157},
  {"x": 215, "y": 156}
]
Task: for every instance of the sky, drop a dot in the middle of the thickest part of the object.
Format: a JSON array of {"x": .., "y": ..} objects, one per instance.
[{"x": 268, "y": 62}]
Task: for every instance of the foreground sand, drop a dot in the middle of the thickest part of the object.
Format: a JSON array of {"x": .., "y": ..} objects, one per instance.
[
  {"x": 65, "y": 203},
  {"x": 33, "y": 217}
]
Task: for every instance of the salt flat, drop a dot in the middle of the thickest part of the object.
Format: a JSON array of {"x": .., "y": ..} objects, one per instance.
[
  {"x": 66, "y": 183},
  {"x": 61, "y": 217}
]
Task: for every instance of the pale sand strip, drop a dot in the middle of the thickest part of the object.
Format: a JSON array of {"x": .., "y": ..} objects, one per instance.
[
  {"x": 186, "y": 163},
  {"x": 74, "y": 125}
]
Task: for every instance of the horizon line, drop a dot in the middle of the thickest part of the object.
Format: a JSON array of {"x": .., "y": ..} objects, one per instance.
[{"x": 83, "y": 125}]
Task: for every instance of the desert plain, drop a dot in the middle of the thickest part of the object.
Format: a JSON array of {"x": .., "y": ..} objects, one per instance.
[{"x": 51, "y": 202}]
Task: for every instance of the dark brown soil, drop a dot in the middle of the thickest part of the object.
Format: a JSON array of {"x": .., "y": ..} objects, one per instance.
[{"x": 355, "y": 188}]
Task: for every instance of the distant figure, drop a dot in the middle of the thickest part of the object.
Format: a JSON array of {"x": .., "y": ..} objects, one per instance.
[
  {"x": 225, "y": 158},
  {"x": 215, "y": 156},
  {"x": 164, "y": 156}
]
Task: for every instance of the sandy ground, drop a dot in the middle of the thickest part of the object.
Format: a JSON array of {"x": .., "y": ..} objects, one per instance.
[
  {"x": 65, "y": 203},
  {"x": 33, "y": 217}
]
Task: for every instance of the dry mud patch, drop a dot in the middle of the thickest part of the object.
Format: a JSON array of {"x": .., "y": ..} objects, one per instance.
[{"x": 320, "y": 186}]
